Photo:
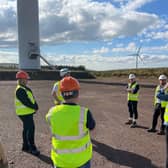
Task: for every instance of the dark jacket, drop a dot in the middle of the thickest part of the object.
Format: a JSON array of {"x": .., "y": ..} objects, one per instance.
[{"x": 23, "y": 97}]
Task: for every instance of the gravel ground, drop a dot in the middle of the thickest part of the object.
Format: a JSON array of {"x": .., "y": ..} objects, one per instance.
[{"x": 114, "y": 144}]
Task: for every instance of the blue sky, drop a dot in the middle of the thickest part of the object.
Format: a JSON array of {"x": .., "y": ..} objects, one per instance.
[{"x": 99, "y": 34}]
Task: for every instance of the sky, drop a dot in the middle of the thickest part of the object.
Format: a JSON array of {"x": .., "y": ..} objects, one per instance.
[{"x": 98, "y": 34}]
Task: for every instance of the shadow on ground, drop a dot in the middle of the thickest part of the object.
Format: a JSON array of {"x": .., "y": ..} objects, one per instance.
[{"x": 121, "y": 157}]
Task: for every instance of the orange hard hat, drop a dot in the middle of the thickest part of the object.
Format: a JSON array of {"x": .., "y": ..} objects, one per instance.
[
  {"x": 22, "y": 75},
  {"x": 69, "y": 84}
]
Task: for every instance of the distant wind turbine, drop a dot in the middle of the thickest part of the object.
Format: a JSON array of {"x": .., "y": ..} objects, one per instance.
[{"x": 137, "y": 55}]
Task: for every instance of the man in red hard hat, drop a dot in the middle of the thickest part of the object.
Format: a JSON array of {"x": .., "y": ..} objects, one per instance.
[
  {"x": 70, "y": 124},
  {"x": 26, "y": 106}
]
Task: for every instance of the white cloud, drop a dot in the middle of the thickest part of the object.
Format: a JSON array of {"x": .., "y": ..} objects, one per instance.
[
  {"x": 79, "y": 20},
  {"x": 8, "y": 57},
  {"x": 84, "y": 20},
  {"x": 95, "y": 61},
  {"x": 102, "y": 50},
  {"x": 135, "y": 4}
]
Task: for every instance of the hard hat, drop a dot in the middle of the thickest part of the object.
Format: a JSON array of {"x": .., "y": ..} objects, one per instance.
[
  {"x": 69, "y": 84},
  {"x": 22, "y": 75},
  {"x": 132, "y": 76},
  {"x": 64, "y": 71},
  {"x": 162, "y": 77}
]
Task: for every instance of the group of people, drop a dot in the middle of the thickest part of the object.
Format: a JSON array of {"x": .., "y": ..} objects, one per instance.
[
  {"x": 70, "y": 123},
  {"x": 71, "y": 143},
  {"x": 160, "y": 106}
]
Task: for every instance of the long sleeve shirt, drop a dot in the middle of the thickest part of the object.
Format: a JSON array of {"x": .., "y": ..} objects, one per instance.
[
  {"x": 136, "y": 89},
  {"x": 23, "y": 97},
  {"x": 162, "y": 96}
]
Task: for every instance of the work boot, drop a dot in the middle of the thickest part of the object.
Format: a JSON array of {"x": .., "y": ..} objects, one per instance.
[
  {"x": 161, "y": 132},
  {"x": 129, "y": 122},
  {"x": 25, "y": 148},
  {"x": 34, "y": 150},
  {"x": 133, "y": 125},
  {"x": 152, "y": 130}
]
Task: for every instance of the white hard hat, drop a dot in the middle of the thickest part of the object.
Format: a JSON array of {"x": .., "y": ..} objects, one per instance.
[
  {"x": 132, "y": 76},
  {"x": 64, "y": 71},
  {"x": 162, "y": 77}
]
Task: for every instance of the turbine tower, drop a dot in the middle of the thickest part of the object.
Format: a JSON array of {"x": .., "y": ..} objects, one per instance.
[
  {"x": 137, "y": 56},
  {"x": 28, "y": 34}
]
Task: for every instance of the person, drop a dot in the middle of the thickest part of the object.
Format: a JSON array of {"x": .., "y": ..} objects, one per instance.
[
  {"x": 132, "y": 97},
  {"x": 26, "y": 106},
  {"x": 71, "y": 143},
  {"x": 164, "y": 97},
  {"x": 58, "y": 99},
  {"x": 159, "y": 107},
  {"x": 3, "y": 159}
]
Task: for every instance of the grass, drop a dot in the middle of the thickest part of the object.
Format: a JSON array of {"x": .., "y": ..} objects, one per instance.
[{"x": 147, "y": 72}]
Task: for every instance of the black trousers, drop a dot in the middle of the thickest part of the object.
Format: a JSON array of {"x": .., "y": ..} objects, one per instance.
[
  {"x": 158, "y": 111},
  {"x": 132, "y": 108},
  {"x": 28, "y": 131}
]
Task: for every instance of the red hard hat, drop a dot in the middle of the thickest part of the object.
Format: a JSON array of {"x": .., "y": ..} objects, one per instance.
[
  {"x": 22, "y": 75},
  {"x": 69, "y": 84}
]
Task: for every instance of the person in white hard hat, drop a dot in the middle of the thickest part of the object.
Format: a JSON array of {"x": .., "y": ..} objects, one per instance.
[
  {"x": 132, "y": 97},
  {"x": 163, "y": 96},
  {"x": 159, "y": 107},
  {"x": 56, "y": 93}
]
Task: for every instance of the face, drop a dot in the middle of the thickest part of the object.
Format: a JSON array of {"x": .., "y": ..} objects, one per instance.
[
  {"x": 23, "y": 81},
  {"x": 162, "y": 82},
  {"x": 132, "y": 80}
]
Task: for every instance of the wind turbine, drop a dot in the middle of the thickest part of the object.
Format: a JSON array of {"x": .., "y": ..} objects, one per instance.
[{"x": 137, "y": 55}]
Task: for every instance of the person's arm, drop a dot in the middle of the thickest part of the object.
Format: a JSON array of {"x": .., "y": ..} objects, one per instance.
[
  {"x": 23, "y": 97},
  {"x": 162, "y": 96},
  {"x": 54, "y": 93},
  {"x": 136, "y": 89},
  {"x": 90, "y": 121}
]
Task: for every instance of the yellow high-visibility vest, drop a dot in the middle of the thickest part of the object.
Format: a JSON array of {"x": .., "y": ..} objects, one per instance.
[
  {"x": 71, "y": 144},
  {"x": 131, "y": 96},
  {"x": 166, "y": 115},
  {"x": 58, "y": 93},
  {"x": 156, "y": 100},
  {"x": 21, "y": 109}
]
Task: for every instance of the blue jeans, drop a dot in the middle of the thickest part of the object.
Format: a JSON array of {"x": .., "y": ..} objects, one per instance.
[{"x": 86, "y": 165}]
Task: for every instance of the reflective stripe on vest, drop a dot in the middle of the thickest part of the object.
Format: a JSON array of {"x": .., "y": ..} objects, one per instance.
[
  {"x": 76, "y": 150},
  {"x": 166, "y": 114},
  {"x": 21, "y": 109},
  {"x": 71, "y": 144},
  {"x": 131, "y": 96},
  {"x": 81, "y": 125}
]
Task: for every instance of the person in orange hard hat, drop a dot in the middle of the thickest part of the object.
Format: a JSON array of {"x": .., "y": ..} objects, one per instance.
[
  {"x": 71, "y": 143},
  {"x": 26, "y": 106}
]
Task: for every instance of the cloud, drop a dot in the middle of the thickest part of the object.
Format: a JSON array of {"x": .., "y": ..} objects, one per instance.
[
  {"x": 102, "y": 50},
  {"x": 80, "y": 20},
  {"x": 133, "y": 5},
  {"x": 95, "y": 61},
  {"x": 84, "y": 20}
]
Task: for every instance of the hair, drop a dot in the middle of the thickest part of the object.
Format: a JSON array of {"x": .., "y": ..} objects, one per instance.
[{"x": 70, "y": 94}]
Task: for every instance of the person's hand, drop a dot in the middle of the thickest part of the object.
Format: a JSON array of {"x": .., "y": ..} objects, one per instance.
[
  {"x": 166, "y": 86},
  {"x": 129, "y": 90}
]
